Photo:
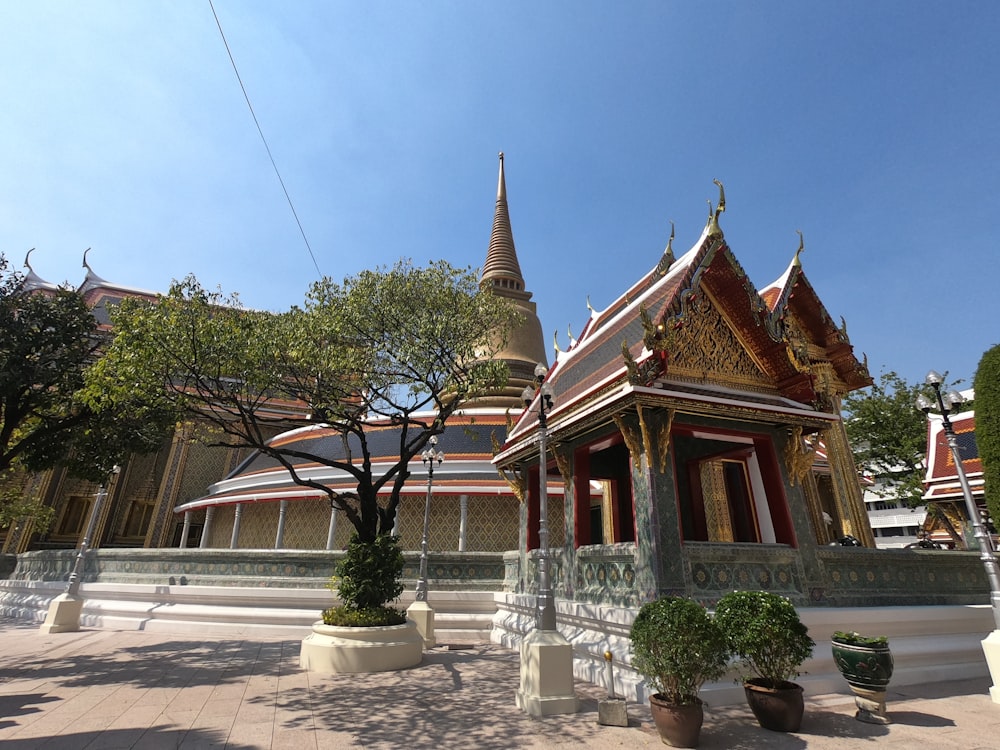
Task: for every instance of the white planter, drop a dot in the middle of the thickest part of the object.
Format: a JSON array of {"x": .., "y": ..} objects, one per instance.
[{"x": 331, "y": 648}]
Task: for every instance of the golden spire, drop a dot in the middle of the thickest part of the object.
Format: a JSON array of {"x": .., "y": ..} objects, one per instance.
[
  {"x": 501, "y": 269},
  {"x": 525, "y": 346},
  {"x": 796, "y": 261}
]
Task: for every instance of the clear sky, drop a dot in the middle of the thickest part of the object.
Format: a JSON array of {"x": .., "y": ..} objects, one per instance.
[{"x": 870, "y": 126}]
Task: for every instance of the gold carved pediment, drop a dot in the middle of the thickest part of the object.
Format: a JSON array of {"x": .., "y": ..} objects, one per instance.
[{"x": 707, "y": 348}]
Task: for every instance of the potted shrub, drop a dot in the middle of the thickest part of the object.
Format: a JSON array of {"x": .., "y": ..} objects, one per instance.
[
  {"x": 367, "y": 578},
  {"x": 764, "y": 632},
  {"x": 866, "y": 663},
  {"x": 677, "y": 647},
  {"x": 363, "y": 633}
]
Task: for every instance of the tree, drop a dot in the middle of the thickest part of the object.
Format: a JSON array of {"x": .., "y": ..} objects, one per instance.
[
  {"x": 888, "y": 436},
  {"x": 987, "y": 384},
  {"x": 48, "y": 341},
  {"x": 405, "y": 344}
]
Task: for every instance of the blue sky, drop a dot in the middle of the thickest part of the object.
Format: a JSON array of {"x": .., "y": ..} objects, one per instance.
[{"x": 870, "y": 126}]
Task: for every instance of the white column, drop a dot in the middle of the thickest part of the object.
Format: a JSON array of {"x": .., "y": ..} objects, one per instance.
[
  {"x": 279, "y": 536},
  {"x": 234, "y": 540},
  {"x": 463, "y": 522},
  {"x": 209, "y": 513},
  {"x": 185, "y": 529},
  {"x": 332, "y": 530}
]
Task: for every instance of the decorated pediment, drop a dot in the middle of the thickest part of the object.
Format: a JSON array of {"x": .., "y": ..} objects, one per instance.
[{"x": 707, "y": 348}]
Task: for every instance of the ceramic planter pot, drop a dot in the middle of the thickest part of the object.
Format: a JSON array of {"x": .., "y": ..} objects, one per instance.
[
  {"x": 867, "y": 670},
  {"x": 679, "y": 725},
  {"x": 778, "y": 709}
]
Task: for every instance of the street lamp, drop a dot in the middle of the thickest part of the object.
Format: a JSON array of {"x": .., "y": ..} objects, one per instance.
[
  {"x": 430, "y": 457},
  {"x": 546, "y": 656},
  {"x": 546, "y": 617},
  {"x": 64, "y": 611},
  {"x": 420, "y": 611},
  {"x": 947, "y": 403}
]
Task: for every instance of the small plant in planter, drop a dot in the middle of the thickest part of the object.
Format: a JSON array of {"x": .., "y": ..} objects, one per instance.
[
  {"x": 367, "y": 579},
  {"x": 677, "y": 647},
  {"x": 866, "y": 663},
  {"x": 764, "y": 632}
]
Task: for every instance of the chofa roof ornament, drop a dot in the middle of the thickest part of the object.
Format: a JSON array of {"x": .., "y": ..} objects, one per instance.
[{"x": 713, "y": 215}]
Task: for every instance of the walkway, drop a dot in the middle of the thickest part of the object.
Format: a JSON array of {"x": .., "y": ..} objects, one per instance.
[{"x": 103, "y": 689}]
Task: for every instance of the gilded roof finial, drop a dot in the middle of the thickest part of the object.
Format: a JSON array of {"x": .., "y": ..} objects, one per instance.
[
  {"x": 85, "y": 264},
  {"x": 713, "y": 216},
  {"x": 555, "y": 343},
  {"x": 590, "y": 306},
  {"x": 26, "y": 263},
  {"x": 802, "y": 246},
  {"x": 569, "y": 332},
  {"x": 667, "y": 258}
]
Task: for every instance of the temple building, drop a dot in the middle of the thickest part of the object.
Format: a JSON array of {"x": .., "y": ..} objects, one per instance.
[
  {"x": 948, "y": 522},
  {"x": 696, "y": 402},
  {"x": 694, "y": 445},
  {"x": 473, "y": 510},
  {"x": 138, "y": 511}
]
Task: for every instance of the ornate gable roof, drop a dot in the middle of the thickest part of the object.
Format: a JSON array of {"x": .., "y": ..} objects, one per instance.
[
  {"x": 812, "y": 334},
  {"x": 698, "y": 321},
  {"x": 941, "y": 480}
]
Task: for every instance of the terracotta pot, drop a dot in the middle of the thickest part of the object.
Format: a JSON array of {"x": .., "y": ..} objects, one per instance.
[
  {"x": 779, "y": 710},
  {"x": 679, "y": 724}
]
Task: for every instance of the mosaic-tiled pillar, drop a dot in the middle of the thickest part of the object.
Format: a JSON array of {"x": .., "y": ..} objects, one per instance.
[
  {"x": 846, "y": 487},
  {"x": 161, "y": 525}
]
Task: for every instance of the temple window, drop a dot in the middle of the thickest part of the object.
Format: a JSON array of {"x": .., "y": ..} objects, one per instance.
[
  {"x": 73, "y": 515},
  {"x": 603, "y": 493},
  {"x": 729, "y": 487}
]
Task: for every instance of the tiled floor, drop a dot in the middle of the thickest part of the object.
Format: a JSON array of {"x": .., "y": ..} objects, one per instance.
[{"x": 98, "y": 690}]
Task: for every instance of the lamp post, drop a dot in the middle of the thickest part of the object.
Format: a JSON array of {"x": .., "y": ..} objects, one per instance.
[
  {"x": 947, "y": 403},
  {"x": 420, "y": 611},
  {"x": 546, "y": 656},
  {"x": 64, "y": 611},
  {"x": 430, "y": 457},
  {"x": 546, "y": 615}
]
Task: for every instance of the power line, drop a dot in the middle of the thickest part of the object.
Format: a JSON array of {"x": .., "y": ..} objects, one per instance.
[{"x": 264, "y": 140}]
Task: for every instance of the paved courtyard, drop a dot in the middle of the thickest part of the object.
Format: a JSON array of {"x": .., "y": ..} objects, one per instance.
[{"x": 103, "y": 689}]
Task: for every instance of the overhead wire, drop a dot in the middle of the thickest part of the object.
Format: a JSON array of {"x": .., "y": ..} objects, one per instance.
[{"x": 260, "y": 131}]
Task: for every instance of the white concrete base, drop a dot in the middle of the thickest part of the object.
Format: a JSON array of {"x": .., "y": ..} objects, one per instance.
[
  {"x": 63, "y": 615},
  {"x": 929, "y": 643},
  {"x": 422, "y": 614},
  {"x": 341, "y": 650},
  {"x": 991, "y": 648},
  {"x": 546, "y": 675},
  {"x": 612, "y": 712}
]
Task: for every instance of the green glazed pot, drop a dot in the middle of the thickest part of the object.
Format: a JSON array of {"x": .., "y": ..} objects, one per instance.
[{"x": 867, "y": 667}]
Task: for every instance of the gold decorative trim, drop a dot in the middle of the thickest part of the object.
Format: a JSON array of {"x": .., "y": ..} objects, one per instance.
[
  {"x": 799, "y": 456},
  {"x": 563, "y": 464},
  {"x": 632, "y": 439},
  {"x": 661, "y": 447}
]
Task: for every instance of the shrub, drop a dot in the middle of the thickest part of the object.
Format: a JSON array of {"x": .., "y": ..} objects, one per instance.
[
  {"x": 677, "y": 647},
  {"x": 369, "y": 617},
  {"x": 370, "y": 574},
  {"x": 764, "y": 631},
  {"x": 987, "y": 384},
  {"x": 852, "y": 638}
]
